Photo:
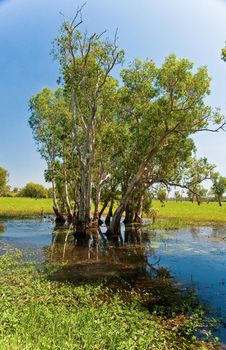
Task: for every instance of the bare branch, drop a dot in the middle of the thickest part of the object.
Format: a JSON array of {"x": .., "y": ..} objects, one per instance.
[
  {"x": 221, "y": 127},
  {"x": 78, "y": 12}
]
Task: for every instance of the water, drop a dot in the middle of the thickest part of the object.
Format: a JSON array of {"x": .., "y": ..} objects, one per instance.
[{"x": 195, "y": 256}]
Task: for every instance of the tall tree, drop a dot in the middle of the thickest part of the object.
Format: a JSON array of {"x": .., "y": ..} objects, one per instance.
[{"x": 86, "y": 64}]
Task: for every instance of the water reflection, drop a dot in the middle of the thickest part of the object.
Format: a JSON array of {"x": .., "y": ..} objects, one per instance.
[
  {"x": 100, "y": 256},
  {"x": 196, "y": 257},
  {"x": 1, "y": 227}
]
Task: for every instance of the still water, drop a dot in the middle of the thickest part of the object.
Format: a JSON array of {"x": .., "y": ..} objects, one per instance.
[{"x": 195, "y": 257}]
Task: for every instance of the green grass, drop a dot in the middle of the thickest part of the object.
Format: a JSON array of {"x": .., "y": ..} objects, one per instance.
[
  {"x": 176, "y": 215},
  {"x": 38, "y": 314},
  {"x": 173, "y": 215},
  {"x": 24, "y": 207}
]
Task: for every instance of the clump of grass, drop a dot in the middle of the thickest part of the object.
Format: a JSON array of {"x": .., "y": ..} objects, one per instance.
[
  {"x": 168, "y": 224},
  {"x": 36, "y": 313}
]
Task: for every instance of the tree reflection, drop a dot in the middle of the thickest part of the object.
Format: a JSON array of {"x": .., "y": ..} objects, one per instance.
[{"x": 100, "y": 256}]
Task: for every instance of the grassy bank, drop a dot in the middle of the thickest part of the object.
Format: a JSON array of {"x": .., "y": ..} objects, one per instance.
[
  {"x": 175, "y": 215},
  {"x": 24, "y": 207},
  {"x": 39, "y": 314},
  {"x": 172, "y": 215}
]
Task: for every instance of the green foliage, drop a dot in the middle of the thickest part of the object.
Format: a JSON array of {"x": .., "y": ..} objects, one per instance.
[
  {"x": 219, "y": 186},
  {"x": 178, "y": 196},
  {"x": 40, "y": 314},
  {"x": 161, "y": 195},
  {"x": 33, "y": 190}
]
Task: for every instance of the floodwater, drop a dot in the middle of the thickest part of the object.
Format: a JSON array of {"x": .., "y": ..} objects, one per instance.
[{"x": 195, "y": 257}]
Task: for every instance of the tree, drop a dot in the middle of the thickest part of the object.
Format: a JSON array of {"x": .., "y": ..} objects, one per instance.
[
  {"x": 178, "y": 196},
  {"x": 161, "y": 195},
  {"x": 3, "y": 181},
  {"x": 218, "y": 187},
  {"x": 112, "y": 144},
  {"x": 86, "y": 63},
  {"x": 163, "y": 107},
  {"x": 32, "y": 190}
]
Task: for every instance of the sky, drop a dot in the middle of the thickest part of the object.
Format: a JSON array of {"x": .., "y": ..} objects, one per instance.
[{"x": 195, "y": 29}]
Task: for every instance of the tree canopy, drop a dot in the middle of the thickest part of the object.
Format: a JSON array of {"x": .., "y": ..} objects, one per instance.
[{"x": 111, "y": 142}]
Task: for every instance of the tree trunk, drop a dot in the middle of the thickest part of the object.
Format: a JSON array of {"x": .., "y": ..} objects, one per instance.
[
  {"x": 82, "y": 199},
  {"x": 89, "y": 180},
  {"x": 219, "y": 201},
  {"x": 97, "y": 203},
  {"x": 198, "y": 199},
  {"x": 103, "y": 208},
  {"x": 129, "y": 215},
  {"x": 54, "y": 193},
  {"x": 69, "y": 209},
  {"x": 115, "y": 223},
  {"x": 60, "y": 218},
  {"x": 110, "y": 213},
  {"x": 138, "y": 214},
  {"x": 82, "y": 160}
]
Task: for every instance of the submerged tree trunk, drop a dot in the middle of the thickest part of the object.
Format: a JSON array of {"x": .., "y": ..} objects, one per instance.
[{"x": 60, "y": 218}]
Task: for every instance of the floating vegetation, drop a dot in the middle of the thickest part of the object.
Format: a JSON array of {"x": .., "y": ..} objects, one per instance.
[{"x": 37, "y": 313}]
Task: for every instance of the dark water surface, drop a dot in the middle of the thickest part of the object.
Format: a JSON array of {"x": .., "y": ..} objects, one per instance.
[{"x": 195, "y": 257}]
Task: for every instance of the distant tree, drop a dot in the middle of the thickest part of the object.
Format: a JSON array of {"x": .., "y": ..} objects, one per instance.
[
  {"x": 178, "y": 196},
  {"x": 197, "y": 192},
  {"x": 33, "y": 190},
  {"x": 161, "y": 195},
  {"x": 219, "y": 187},
  {"x": 3, "y": 181}
]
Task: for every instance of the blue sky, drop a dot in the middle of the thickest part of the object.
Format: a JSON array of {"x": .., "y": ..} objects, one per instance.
[{"x": 195, "y": 29}]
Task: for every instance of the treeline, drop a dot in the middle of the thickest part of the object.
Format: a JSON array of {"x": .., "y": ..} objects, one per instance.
[
  {"x": 30, "y": 190},
  {"x": 111, "y": 142}
]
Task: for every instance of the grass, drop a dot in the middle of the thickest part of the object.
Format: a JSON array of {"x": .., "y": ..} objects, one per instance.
[
  {"x": 173, "y": 215},
  {"x": 24, "y": 207},
  {"x": 39, "y": 314},
  {"x": 180, "y": 214}
]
